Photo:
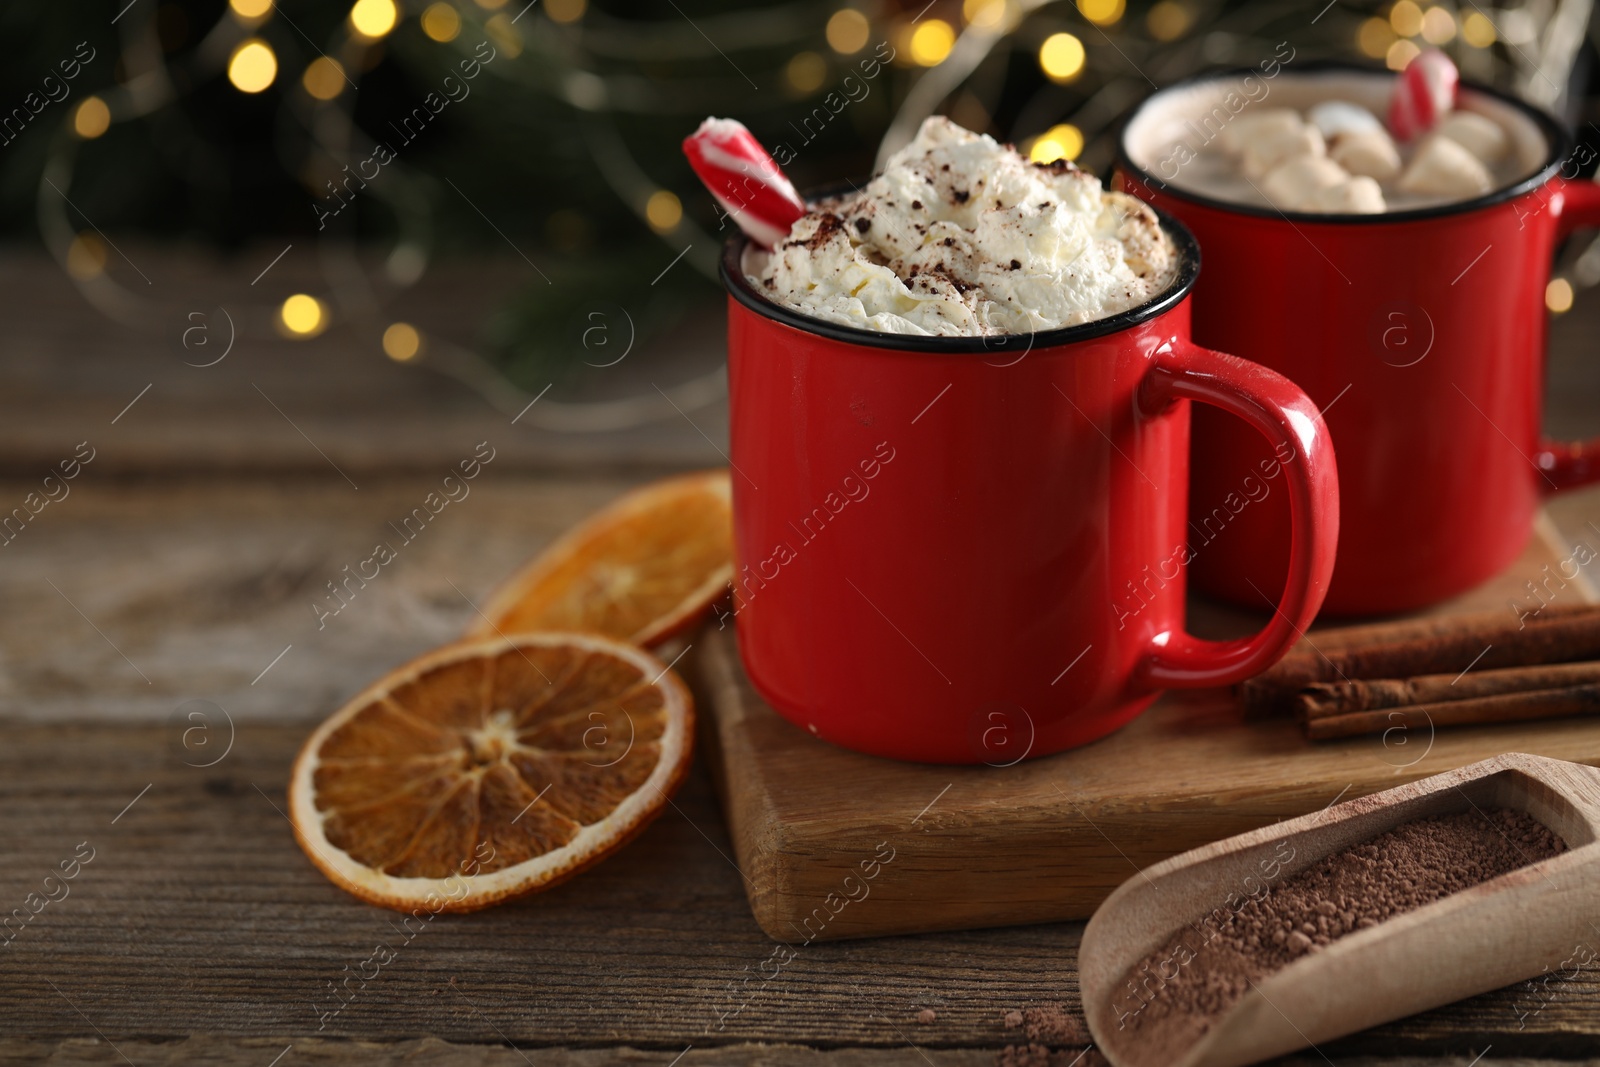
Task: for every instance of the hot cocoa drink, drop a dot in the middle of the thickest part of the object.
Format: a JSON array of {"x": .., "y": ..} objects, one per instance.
[{"x": 1335, "y": 144}]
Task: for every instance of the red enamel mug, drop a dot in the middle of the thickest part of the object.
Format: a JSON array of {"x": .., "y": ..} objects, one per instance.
[
  {"x": 1421, "y": 333},
  {"x": 941, "y": 543}
]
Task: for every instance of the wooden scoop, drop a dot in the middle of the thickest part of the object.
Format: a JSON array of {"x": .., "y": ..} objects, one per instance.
[{"x": 1505, "y": 930}]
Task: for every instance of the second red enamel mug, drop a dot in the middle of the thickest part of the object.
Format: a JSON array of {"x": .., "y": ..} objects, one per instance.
[
  {"x": 973, "y": 550},
  {"x": 1420, "y": 333}
]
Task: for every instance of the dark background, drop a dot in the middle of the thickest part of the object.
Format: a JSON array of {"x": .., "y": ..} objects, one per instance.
[{"x": 575, "y": 125}]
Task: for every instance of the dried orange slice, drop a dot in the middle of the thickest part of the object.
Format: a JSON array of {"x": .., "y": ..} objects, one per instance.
[
  {"x": 642, "y": 570},
  {"x": 490, "y": 769}
]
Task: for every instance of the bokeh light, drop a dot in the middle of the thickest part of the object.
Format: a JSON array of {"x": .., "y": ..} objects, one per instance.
[
  {"x": 1375, "y": 37},
  {"x": 931, "y": 42},
  {"x": 805, "y": 72},
  {"x": 250, "y": 9},
  {"x": 1058, "y": 142},
  {"x": 1102, "y": 12},
  {"x": 302, "y": 316},
  {"x": 253, "y": 66},
  {"x": 441, "y": 22},
  {"x": 847, "y": 31},
  {"x": 503, "y": 30},
  {"x": 374, "y": 18},
  {"x": 663, "y": 211},
  {"x": 1061, "y": 56},
  {"x": 91, "y": 119},
  {"x": 86, "y": 256},
  {"x": 324, "y": 78},
  {"x": 1400, "y": 54},
  {"x": 565, "y": 11},
  {"x": 1558, "y": 295},
  {"x": 1406, "y": 18},
  {"x": 1438, "y": 26},
  {"x": 401, "y": 342},
  {"x": 985, "y": 14},
  {"x": 1477, "y": 30},
  {"x": 1168, "y": 20}
]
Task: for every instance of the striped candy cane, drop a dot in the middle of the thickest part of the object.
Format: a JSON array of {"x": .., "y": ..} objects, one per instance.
[{"x": 744, "y": 179}]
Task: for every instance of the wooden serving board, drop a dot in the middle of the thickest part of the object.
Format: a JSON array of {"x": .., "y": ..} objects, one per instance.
[{"x": 833, "y": 844}]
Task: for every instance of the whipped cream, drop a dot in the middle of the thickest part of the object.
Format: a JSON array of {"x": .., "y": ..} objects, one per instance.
[{"x": 962, "y": 236}]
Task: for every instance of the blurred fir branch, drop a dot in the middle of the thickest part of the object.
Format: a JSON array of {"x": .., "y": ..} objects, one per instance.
[{"x": 566, "y": 146}]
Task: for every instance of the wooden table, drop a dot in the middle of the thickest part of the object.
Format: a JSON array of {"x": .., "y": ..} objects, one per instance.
[{"x": 182, "y": 568}]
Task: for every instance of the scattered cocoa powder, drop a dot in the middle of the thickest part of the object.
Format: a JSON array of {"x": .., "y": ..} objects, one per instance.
[
  {"x": 1048, "y": 1029},
  {"x": 1053, "y": 1024},
  {"x": 1036, "y": 1055},
  {"x": 1172, "y": 996},
  {"x": 1023, "y": 1056}
]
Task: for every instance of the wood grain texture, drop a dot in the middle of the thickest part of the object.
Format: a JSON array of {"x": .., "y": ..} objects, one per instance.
[
  {"x": 430, "y": 1052},
  {"x": 125, "y": 600},
  {"x": 199, "y": 915},
  {"x": 1047, "y": 839}
]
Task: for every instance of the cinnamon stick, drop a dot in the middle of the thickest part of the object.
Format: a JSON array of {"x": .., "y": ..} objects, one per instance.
[
  {"x": 1373, "y": 694},
  {"x": 1507, "y": 707},
  {"x": 1390, "y": 650}
]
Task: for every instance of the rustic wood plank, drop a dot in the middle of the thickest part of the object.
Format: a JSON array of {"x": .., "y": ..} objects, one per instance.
[
  {"x": 197, "y": 914},
  {"x": 201, "y": 585},
  {"x": 1047, "y": 839},
  {"x": 430, "y": 1052}
]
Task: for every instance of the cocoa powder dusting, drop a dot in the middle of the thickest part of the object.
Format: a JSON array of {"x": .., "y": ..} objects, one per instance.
[
  {"x": 1040, "y": 1056},
  {"x": 1048, "y": 1029},
  {"x": 1172, "y": 996}
]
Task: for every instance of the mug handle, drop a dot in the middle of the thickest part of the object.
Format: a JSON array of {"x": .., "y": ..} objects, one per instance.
[
  {"x": 1569, "y": 464},
  {"x": 1293, "y": 426}
]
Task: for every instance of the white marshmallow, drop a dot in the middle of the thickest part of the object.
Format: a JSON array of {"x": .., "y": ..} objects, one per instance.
[
  {"x": 1442, "y": 167},
  {"x": 1295, "y": 181},
  {"x": 1478, "y": 134},
  {"x": 1358, "y": 196},
  {"x": 1367, "y": 152},
  {"x": 1263, "y": 152},
  {"x": 1253, "y": 123},
  {"x": 1337, "y": 117}
]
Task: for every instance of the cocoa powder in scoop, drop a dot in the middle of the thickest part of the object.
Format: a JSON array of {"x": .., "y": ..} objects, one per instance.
[{"x": 1172, "y": 996}]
